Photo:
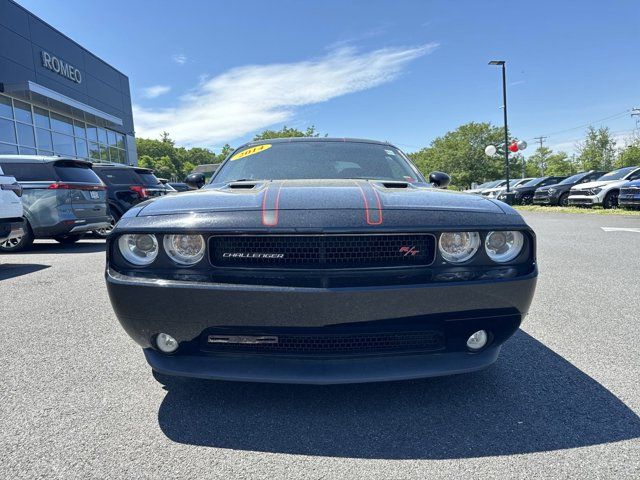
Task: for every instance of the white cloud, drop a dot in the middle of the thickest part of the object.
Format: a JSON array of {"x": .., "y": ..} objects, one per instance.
[
  {"x": 155, "y": 91},
  {"x": 246, "y": 99},
  {"x": 179, "y": 58}
]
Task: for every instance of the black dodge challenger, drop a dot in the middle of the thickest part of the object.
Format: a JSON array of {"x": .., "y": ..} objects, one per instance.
[{"x": 318, "y": 260}]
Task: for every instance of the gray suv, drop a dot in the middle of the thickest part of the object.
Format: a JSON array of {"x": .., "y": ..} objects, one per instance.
[{"x": 63, "y": 199}]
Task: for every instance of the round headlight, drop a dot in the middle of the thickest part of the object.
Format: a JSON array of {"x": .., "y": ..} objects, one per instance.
[
  {"x": 458, "y": 247},
  {"x": 139, "y": 249},
  {"x": 503, "y": 246},
  {"x": 184, "y": 249}
]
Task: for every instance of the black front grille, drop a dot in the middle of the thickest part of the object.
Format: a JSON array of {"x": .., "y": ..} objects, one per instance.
[
  {"x": 323, "y": 251},
  {"x": 630, "y": 191},
  {"x": 580, "y": 192},
  {"x": 543, "y": 194},
  {"x": 329, "y": 344}
]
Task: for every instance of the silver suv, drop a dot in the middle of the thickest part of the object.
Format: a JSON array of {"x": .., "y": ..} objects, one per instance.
[{"x": 63, "y": 199}]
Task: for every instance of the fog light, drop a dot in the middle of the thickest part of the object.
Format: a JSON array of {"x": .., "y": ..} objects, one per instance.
[
  {"x": 478, "y": 340},
  {"x": 166, "y": 343}
]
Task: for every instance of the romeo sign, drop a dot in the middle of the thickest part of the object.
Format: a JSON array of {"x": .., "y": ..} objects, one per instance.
[{"x": 65, "y": 69}]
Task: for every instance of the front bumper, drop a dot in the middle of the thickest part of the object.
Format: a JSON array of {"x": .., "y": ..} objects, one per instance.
[
  {"x": 545, "y": 200},
  {"x": 584, "y": 200},
  {"x": 629, "y": 200},
  {"x": 188, "y": 311},
  {"x": 11, "y": 228}
]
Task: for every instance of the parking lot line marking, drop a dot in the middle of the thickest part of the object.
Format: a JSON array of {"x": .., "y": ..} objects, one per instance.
[{"x": 620, "y": 229}]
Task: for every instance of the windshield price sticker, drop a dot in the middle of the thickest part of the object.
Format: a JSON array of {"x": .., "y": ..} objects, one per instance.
[{"x": 251, "y": 151}]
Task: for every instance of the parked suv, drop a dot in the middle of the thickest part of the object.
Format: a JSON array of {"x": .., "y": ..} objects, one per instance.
[
  {"x": 523, "y": 194},
  {"x": 605, "y": 190},
  {"x": 126, "y": 187},
  {"x": 558, "y": 194},
  {"x": 62, "y": 197},
  {"x": 630, "y": 195},
  {"x": 10, "y": 208}
]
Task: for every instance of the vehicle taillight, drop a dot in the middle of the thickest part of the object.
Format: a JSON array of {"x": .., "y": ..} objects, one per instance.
[
  {"x": 140, "y": 190},
  {"x": 68, "y": 186},
  {"x": 14, "y": 187}
]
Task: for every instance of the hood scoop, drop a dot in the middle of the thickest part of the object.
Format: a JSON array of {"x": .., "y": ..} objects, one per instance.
[
  {"x": 241, "y": 185},
  {"x": 395, "y": 184}
]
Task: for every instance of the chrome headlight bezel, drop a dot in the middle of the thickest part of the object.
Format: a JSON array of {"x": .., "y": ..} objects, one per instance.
[
  {"x": 131, "y": 248},
  {"x": 173, "y": 251},
  {"x": 472, "y": 247},
  {"x": 511, "y": 253}
]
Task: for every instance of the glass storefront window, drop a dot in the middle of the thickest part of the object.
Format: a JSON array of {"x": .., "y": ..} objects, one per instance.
[
  {"x": 62, "y": 124},
  {"x": 78, "y": 129},
  {"x": 55, "y": 134},
  {"x": 92, "y": 133},
  {"x": 63, "y": 144},
  {"x": 104, "y": 153},
  {"x": 44, "y": 139},
  {"x": 102, "y": 135},
  {"x": 94, "y": 151},
  {"x": 8, "y": 149},
  {"x": 25, "y": 135},
  {"x": 81, "y": 148},
  {"x": 7, "y": 131},
  {"x": 6, "y": 110},
  {"x": 22, "y": 111},
  {"x": 27, "y": 151}
]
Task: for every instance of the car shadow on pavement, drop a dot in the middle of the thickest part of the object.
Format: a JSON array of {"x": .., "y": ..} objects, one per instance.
[
  {"x": 12, "y": 270},
  {"x": 531, "y": 400}
]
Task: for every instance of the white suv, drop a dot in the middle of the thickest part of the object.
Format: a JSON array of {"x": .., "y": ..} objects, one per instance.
[
  {"x": 10, "y": 209},
  {"x": 605, "y": 190}
]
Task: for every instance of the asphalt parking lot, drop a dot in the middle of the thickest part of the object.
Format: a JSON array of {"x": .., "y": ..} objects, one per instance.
[{"x": 78, "y": 400}]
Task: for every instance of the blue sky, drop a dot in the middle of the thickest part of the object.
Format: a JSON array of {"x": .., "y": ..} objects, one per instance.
[{"x": 212, "y": 72}]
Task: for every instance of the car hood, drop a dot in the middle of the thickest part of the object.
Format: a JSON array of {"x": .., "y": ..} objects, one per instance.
[
  {"x": 585, "y": 186},
  {"x": 279, "y": 195},
  {"x": 634, "y": 183}
]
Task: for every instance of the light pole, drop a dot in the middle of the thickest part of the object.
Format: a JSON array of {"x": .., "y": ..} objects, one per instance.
[{"x": 506, "y": 131}]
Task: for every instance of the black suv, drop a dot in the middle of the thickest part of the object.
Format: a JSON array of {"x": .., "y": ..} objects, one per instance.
[
  {"x": 126, "y": 187},
  {"x": 558, "y": 194},
  {"x": 523, "y": 194},
  {"x": 62, "y": 198}
]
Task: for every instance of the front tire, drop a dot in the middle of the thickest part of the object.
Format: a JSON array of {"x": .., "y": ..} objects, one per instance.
[
  {"x": 563, "y": 201},
  {"x": 611, "y": 200},
  {"x": 19, "y": 244},
  {"x": 67, "y": 239},
  {"x": 527, "y": 200}
]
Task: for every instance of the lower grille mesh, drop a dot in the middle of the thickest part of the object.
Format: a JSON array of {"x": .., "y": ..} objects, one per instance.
[
  {"x": 338, "y": 344},
  {"x": 322, "y": 251}
]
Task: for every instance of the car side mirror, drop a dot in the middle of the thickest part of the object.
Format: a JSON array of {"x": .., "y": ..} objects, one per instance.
[
  {"x": 439, "y": 179},
  {"x": 195, "y": 180}
]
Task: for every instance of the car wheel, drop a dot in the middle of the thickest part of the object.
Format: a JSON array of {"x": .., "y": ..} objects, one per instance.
[
  {"x": 563, "y": 201},
  {"x": 67, "y": 239},
  {"x": 19, "y": 244},
  {"x": 104, "y": 232},
  {"x": 611, "y": 200},
  {"x": 527, "y": 200}
]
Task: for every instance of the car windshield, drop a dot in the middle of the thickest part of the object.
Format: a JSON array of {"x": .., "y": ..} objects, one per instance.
[
  {"x": 491, "y": 184},
  {"x": 532, "y": 183},
  {"x": 617, "y": 174},
  {"x": 317, "y": 160},
  {"x": 572, "y": 179}
]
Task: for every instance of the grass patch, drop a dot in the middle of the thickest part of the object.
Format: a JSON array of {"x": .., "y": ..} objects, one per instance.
[{"x": 587, "y": 211}]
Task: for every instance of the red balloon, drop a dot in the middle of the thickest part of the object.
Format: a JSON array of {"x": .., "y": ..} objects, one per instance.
[{"x": 513, "y": 147}]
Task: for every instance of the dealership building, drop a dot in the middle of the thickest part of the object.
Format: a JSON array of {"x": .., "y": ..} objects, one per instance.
[{"x": 56, "y": 97}]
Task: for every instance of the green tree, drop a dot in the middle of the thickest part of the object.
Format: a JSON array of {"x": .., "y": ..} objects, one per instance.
[
  {"x": 287, "y": 132},
  {"x": 163, "y": 167},
  {"x": 598, "y": 150},
  {"x": 629, "y": 155},
  {"x": 460, "y": 153},
  {"x": 543, "y": 162}
]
